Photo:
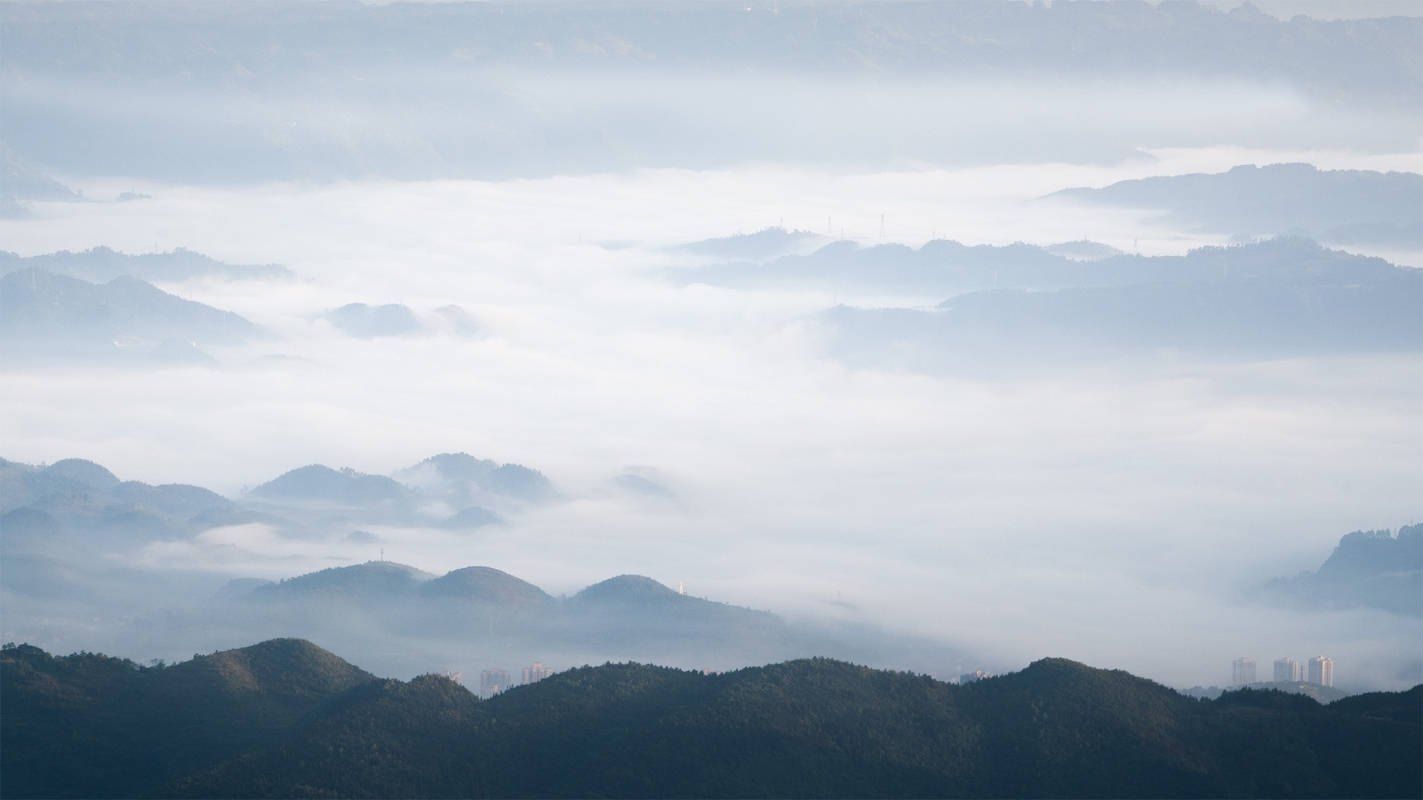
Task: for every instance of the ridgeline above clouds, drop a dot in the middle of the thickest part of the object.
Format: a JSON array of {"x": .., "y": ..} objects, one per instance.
[
  {"x": 1277, "y": 299},
  {"x": 1344, "y": 207},
  {"x": 80, "y": 503},
  {"x": 944, "y": 267},
  {"x": 102, "y": 264},
  {"x": 1375, "y": 569},
  {"x": 44, "y": 316}
]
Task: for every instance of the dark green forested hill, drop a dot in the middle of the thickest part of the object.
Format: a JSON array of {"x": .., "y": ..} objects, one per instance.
[
  {"x": 88, "y": 725},
  {"x": 286, "y": 719}
]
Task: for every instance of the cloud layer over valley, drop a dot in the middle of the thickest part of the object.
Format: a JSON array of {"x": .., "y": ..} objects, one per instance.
[{"x": 802, "y": 341}]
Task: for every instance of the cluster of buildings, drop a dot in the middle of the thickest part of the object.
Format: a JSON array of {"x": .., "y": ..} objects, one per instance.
[
  {"x": 1318, "y": 670},
  {"x": 494, "y": 681}
]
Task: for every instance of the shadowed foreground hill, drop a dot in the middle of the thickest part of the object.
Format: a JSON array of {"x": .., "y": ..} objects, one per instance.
[
  {"x": 88, "y": 725},
  {"x": 286, "y": 719}
]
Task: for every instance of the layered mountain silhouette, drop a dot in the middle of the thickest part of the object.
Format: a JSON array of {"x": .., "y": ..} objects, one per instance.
[
  {"x": 23, "y": 182},
  {"x": 944, "y": 267},
  {"x": 1373, "y": 569},
  {"x": 1285, "y": 297},
  {"x": 41, "y": 506},
  {"x": 318, "y": 483},
  {"x": 373, "y": 583},
  {"x": 43, "y": 315},
  {"x": 1083, "y": 250},
  {"x": 762, "y": 245},
  {"x": 80, "y": 503},
  {"x": 364, "y": 321},
  {"x": 498, "y": 618},
  {"x": 487, "y": 587},
  {"x": 285, "y": 719},
  {"x": 463, "y": 480},
  {"x": 64, "y": 527},
  {"x": 1336, "y": 206},
  {"x": 102, "y": 264}
]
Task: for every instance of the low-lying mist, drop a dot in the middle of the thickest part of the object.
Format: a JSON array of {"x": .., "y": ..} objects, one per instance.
[{"x": 1120, "y": 513}]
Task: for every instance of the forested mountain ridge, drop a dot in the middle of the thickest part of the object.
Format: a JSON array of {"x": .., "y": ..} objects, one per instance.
[
  {"x": 90, "y": 725},
  {"x": 812, "y": 727}
]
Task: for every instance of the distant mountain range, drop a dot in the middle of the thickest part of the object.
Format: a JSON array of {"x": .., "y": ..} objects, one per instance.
[
  {"x": 75, "y": 501},
  {"x": 463, "y": 477},
  {"x": 1346, "y": 207},
  {"x": 942, "y": 267},
  {"x": 101, "y": 264},
  {"x": 99, "y": 304},
  {"x": 23, "y": 182},
  {"x": 759, "y": 246},
  {"x": 65, "y": 529},
  {"x": 44, "y": 315},
  {"x": 287, "y": 719},
  {"x": 41, "y": 508},
  {"x": 363, "y": 321},
  {"x": 1283, "y": 297},
  {"x": 1372, "y": 569},
  {"x": 368, "y": 322},
  {"x": 498, "y": 618}
]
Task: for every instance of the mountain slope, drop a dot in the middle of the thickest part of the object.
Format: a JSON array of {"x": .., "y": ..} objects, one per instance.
[
  {"x": 90, "y": 726},
  {"x": 465, "y": 482},
  {"x": 43, "y": 314},
  {"x": 83, "y": 504},
  {"x": 317, "y": 483},
  {"x": 1374, "y": 569},
  {"x": 487, "y": 586},
  {"x": 103, "y": 264},
  {"x": 374, "y": 582}
]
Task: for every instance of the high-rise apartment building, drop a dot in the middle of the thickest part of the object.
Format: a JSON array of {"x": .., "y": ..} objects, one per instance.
[
  {"x": 492, "y": 682},
  {"x": 536, "y": 672},
  {"x": 1321, "y": 670},
  {"x": 1242, "y": 672},
  {"x": 1287, "y": 670}
]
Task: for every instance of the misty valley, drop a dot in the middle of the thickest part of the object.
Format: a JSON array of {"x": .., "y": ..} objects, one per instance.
[{"x": 812, "y": 398}]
